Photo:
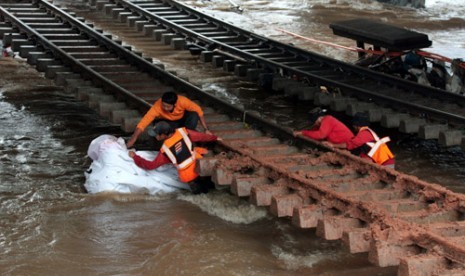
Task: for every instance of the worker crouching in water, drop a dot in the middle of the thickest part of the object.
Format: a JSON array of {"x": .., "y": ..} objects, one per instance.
[
  {"x": 176, "y": 110},
  {"x": 367, "y": 143},
  {"x": 179, "y": 150}
]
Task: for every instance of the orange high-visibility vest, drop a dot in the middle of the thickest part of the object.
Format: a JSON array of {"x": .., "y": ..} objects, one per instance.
[
  {"x": 180, "y": 151},
  {"x": 379, "y": 151}
]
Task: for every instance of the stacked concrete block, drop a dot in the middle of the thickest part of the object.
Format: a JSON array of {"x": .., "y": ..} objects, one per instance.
[
  {"x": 241, "y": 186},
  {"x": 262, "y": 195},
  {"x": 450, "y": 138},
  {"x": 340, "y": 103},
  {"x": 421, "y": 264},
  {"x": 283, "y": 205},
  {"x": 332, "y": 227},
  {"x": 302, "y": 92},
  {"x": 357, "y": 240},
  {"x": 376, "y": 114},
  {"x": 354, "y": 108},
  {"x": 384, "y": 254},
  {"x": 307, "y": 216},
  {"x": 393, "y": 120},
  {"x": 411, "y": 125},
  {"x": 322, "y": 99},
  {"x": 431, "y": 131}
]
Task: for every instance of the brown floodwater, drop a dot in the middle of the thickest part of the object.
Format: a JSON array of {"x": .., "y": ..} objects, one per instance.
[{"x": 51, "y": 226}]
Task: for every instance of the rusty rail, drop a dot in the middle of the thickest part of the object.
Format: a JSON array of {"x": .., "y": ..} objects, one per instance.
[{"x": 396, "y": 218}]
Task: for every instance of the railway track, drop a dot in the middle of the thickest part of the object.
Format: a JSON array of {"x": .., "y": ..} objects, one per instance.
[
  {"x": 392, "y": 101},
  {"x": 396, "y": 218}
]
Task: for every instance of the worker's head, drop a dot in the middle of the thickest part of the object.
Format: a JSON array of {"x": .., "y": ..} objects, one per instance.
[
  {"x": 168, "y": 101},
  {"x": 316, "y": 116},
  {"x": 161, "y": 131},
  {"x": 360, "y": 120}
]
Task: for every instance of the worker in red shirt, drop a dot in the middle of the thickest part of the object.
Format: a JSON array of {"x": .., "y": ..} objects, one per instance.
[
  {"x": 177, "y": 149},
  {"x": 175, "y": 109},
  {"x": 367, "y": 143},
  {"x": 326, "y": 127}
]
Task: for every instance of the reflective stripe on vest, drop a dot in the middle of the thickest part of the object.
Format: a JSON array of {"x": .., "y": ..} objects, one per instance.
[
  {"x": 379, "y": 152},
  {"x": 179, "y": 135},
  {"x": 378, "y": 142}
]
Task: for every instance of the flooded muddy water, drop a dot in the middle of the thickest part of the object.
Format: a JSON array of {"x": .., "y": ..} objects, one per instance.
[{"x": 50, "y": 225}]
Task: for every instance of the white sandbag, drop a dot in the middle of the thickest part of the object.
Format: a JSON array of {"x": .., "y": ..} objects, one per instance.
[{"x": 112, "y": 170}]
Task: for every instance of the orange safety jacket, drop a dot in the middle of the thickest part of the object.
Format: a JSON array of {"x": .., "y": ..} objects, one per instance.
[
  {"x": 182, "y": 154},
  {"x": 379, "y": 151},
  {"x": 182, "y": 105}
]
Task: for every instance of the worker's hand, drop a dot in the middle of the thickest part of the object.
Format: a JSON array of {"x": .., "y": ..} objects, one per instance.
[
  {"x": 208, "y": 132},
  {"x": 296, "y": 133},
  {"x": 130, "y": 143},
  {"x": 131, "y": 153}
]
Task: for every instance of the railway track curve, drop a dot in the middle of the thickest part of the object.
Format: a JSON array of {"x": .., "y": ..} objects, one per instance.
[{"x": 396, "y": 218}]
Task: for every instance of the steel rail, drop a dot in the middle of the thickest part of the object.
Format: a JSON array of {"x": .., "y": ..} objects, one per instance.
[
  {"x": 332, "y": 198},
  {"x": 66, "y": 58},
  {"x": 184, "y": 86},
  {"x": 388, "y": 81}
]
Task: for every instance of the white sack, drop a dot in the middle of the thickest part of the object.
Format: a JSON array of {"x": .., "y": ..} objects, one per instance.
[{"x": 112, "y": 170}]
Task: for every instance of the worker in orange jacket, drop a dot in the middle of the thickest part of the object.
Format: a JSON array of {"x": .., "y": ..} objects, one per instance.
[
  {"x": 175, "y": 109},
  {"x": 177, "y": 149}
]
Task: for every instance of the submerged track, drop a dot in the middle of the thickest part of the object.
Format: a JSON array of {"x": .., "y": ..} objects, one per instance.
[{"x": 396, "y": 218}]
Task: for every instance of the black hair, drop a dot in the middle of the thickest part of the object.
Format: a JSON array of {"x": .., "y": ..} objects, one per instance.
[
  {"x": 161, "y": 127},
  {"x": 316, "y": 113},
  {"x": 361, "y": 119},
  {"x": 169, "y": 97}
]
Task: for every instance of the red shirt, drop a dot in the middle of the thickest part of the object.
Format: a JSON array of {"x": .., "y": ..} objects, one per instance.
[
  {"x": 162, "y": 159},
  {"x": 330, "y": 129},
  {"x": 364, "y": 136}
]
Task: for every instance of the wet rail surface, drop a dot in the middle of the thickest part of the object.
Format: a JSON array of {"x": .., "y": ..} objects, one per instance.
[
  {"x": 396, "y": 218},
  {"x": 246, "y": 53},
  {"x": 393, "y": 102}
]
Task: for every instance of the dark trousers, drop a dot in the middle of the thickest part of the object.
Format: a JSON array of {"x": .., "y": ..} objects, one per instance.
[{"x": 189, "y": 121}]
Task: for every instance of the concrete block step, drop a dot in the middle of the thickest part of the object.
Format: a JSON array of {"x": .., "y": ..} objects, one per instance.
[
  {"x": 393, "y": 120},
  {"x": 117, "y": 116},
  {"x": 357, "y": 240},
  {"x": 206, "y": 165},
  {"x": 332, "y": 227},
  {"x": 423, "y": 264},
  {"x": 283, "y": 205},
  {"x": 129, "y": 124},
  {"x": 307, "y": 216},
  {"x": 449, "y": 138},
  {"x": 242, "y": 184},
  {"x": 261, "y": 195},
  {"x": 105, "y": 108},
  {"x": 431, "y": 131}
]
